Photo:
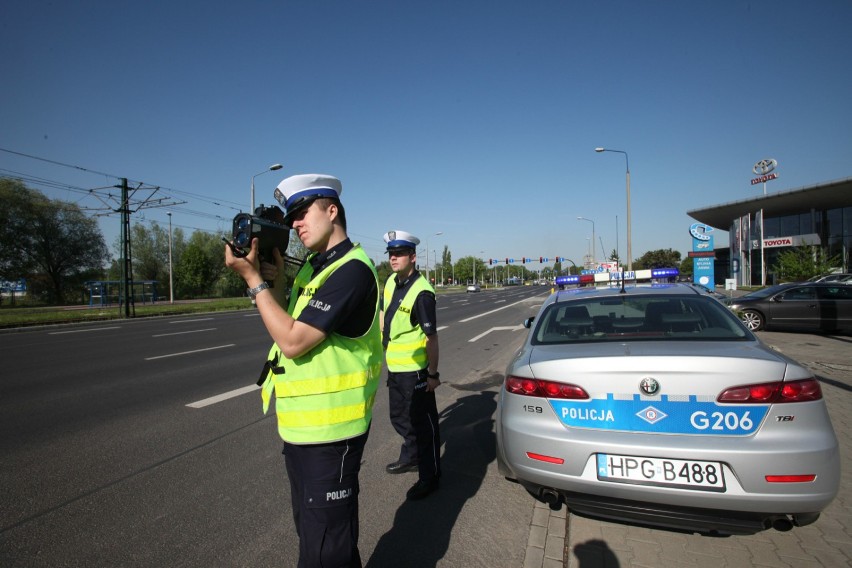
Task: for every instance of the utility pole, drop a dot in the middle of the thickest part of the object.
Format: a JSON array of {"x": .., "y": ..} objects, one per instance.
[{"x": 126, "y": 273}]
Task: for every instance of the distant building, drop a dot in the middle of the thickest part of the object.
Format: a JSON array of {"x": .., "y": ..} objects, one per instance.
[{"x": 819, "y": 215}]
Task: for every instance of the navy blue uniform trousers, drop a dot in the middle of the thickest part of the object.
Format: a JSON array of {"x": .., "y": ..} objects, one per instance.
[
  {"x": 324, "y": 494},
  {"x": 414, "y": 415}
]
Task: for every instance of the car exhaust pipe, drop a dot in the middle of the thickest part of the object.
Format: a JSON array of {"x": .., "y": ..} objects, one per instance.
[
  {"x": 782, "y": 524},
  {"x": 550, "y": 497}
]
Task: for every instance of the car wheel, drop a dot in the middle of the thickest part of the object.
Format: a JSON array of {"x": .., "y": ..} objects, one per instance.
[{"x": 753, "y": 320}]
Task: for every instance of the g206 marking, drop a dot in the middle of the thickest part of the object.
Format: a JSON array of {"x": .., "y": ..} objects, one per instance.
[{"x": 721, "y": 421}]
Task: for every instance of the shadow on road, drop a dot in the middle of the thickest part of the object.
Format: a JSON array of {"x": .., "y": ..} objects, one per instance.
[
  {"x": 595, "y": 554},
  {"x": 421, "y": 530}
]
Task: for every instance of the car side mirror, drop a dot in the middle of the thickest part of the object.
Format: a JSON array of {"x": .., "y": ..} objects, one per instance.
[{"x": 528, "y": 322}]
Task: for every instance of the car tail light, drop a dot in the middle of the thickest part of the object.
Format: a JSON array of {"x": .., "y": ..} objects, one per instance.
[
  {"x": 772, "y": 393},
  {"x": 546, "y": 389},
  {"x": 544, "y": 458},
  {"x": 790, "y": 478}
]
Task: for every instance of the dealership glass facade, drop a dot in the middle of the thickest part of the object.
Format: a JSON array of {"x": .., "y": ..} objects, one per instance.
[{"x": 830, "y": 229}]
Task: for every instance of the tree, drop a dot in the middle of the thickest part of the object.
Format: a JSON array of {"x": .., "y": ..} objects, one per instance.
[
  {"x": 446, "y": 264},
  {"x": 661, "y": 258},
  {"x": 687, "y": 267},
  {"x": 49, "y": 241},
  {"x": 384, "y": 271},
  {"x": 201, "y": 265},
  {"x": 465, "y": 269},
  {"x": 149, "y": 249},
  {"x": 800, "y": 263}
]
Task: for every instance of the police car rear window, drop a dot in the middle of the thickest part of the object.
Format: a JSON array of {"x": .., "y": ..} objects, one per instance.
[{"x": 637, "y": 318}]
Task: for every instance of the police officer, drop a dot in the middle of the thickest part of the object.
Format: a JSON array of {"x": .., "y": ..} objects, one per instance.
[
  {"x": 410, "y": 338},
  {"x": 324, "y": 366}
]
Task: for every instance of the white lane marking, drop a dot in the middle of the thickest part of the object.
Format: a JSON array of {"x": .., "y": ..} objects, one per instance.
[
  {"x": 500, "y": 328},
  {"x": 442, "y": 327},
  {"x": 84, "y": 330},
  {"x": 184, "y": 332},
  {"x": 492, "y": 311},
  {"x": 189, "y": 352},
  {"x": 191, "y": 321},
  {"x": 254, "y": 315},
  {"x": 499, "y": 301},
  {"x": 223, "y": 396}
]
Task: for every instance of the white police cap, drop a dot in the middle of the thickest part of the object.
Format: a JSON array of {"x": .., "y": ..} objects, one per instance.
[
  {"x": 297, "y": 192},
  {"x": 400, "y": 239}
]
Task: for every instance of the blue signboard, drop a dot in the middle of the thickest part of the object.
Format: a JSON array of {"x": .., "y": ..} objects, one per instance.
[
  {"x": 17, "y": 286},
  {"x": 661, "y": 415},
  {"x": 702, "y": 266}
]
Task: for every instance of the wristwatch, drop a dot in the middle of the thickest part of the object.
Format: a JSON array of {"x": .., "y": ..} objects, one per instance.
[
  {"x": 253, "y": 292},
  {"x": 437, "y": 375}
]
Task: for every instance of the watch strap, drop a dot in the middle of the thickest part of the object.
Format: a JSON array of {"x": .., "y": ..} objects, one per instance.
[{"x": 253, "y": 292}]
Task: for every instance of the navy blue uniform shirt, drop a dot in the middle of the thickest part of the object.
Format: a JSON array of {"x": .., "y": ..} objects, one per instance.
[{"x": 345, "y": 303}]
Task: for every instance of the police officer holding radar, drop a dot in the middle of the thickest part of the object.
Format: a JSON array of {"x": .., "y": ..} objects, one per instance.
[
  {"x": 410, "y": 339},
  {"x": 323, "y": 367}
]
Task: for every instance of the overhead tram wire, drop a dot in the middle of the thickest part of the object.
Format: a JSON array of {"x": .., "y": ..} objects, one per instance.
[{"x": 59, "y": 185}]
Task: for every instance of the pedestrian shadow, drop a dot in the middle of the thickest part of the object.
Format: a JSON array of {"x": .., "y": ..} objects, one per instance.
[
  {"x": 595, "y": 554},
  {"x": 421, "y": 530}
]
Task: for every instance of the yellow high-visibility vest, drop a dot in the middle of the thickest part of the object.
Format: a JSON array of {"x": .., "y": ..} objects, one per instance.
[
  {"x": 327, "y": 394},
  {"x": 406, "y": 350}
]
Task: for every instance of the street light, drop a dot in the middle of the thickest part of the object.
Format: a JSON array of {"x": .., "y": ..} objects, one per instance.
[
  {"x": 594, "y": 256},
  {"x": 474, "y": 266},
  {"x": 271, "y": 168},
  {"x": 427, "y": 254},
  {"x": 629, "y": 243},
  {"x": 171, "y": 280}
]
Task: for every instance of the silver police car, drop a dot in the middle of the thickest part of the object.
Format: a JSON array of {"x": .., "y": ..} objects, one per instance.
[{"x": 656, "y": 405}]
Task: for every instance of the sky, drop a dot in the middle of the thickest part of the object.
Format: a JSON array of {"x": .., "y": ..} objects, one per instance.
[{"x": 471, "y": 124}]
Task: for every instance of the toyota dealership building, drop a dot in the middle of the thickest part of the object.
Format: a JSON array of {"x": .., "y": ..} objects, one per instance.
[{"x": 819, "y": 215}]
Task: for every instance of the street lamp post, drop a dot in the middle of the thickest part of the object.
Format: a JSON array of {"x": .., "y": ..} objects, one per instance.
[
  {"x": 171, "y": 280},
  {"x": 271, "y": 168},
  {"x": 629, "y": 242},
  {"x": 594, "y": 256},
  {"x": 474, "y": 266},
  {"x": 435, "y": 270},
  {"x": 427, "y": 255}
]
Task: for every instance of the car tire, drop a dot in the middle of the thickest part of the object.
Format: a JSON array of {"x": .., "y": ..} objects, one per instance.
[{"x": 753, "y": 320}]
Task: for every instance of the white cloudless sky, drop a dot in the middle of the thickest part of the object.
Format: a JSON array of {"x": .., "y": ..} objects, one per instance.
[{"x": 474, "y": 119}]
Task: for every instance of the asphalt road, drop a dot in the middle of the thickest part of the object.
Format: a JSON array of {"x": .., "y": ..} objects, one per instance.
[{"x": 142, "y": 443}]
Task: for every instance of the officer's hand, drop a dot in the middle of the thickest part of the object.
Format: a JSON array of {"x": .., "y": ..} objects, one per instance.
[
  {"x": 432, "y": 384},
  {"x": 246, "y": 266}
]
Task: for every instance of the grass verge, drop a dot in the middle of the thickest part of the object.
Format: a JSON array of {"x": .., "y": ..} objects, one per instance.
[{"x": 24, "y": 316}]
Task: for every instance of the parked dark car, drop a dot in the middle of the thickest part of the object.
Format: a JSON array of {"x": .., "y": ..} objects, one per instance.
[
  {"x": 817, "y": 306},
  {"x": 836, "y": 277}
]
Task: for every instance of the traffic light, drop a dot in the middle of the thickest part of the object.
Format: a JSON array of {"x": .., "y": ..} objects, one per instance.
[
  {"x": 523, "y": 260},
  {"x": 507, "y": 261},
  {"x": 490, "y": 262},
  {"x": 541, "y": 259}
]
